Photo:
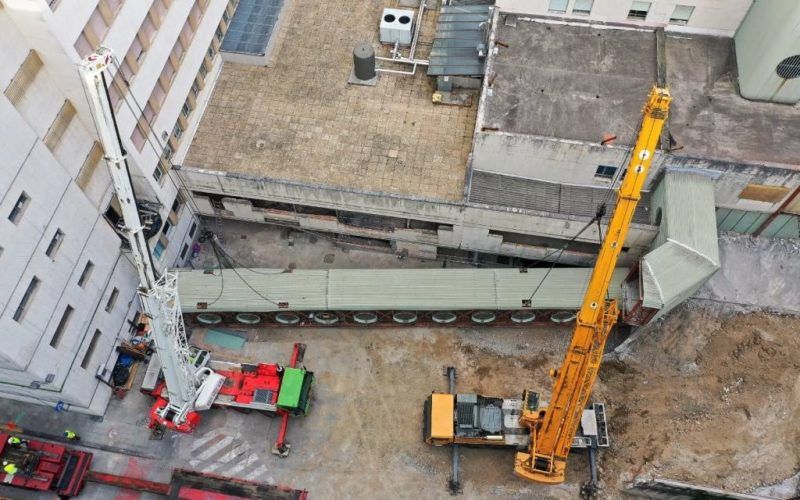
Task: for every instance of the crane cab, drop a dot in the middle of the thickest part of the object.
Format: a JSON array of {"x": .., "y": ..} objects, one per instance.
[{"x": 473, "y": 420}]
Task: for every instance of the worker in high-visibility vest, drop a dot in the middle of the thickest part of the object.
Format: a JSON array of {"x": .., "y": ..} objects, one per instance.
[
  {"x": 71, "y": 435},
  {"x": 9, "y": 468},
  {"x": 16, "y": 442}
]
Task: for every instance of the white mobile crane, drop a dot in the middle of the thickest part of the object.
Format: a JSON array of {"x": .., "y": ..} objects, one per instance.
[
  {"x": 192, "y": 380},
  {"x": 188, "y": 388}
]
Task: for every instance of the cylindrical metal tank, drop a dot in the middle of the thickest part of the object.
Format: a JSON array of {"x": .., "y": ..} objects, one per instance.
[
  {"x": 768, "y": 51},
  {"x": 364, "y": 61}
]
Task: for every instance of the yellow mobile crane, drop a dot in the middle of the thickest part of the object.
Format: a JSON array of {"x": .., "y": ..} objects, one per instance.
[{"x": 471, "y": 419}]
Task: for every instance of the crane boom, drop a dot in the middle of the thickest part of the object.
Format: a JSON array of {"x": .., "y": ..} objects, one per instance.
[
  {"x": 553, "y": 428},
  {"x": 159, "y": 296}
]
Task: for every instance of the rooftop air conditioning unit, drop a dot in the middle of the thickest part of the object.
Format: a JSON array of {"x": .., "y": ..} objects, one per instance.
[{"x": 397, "y": 26}]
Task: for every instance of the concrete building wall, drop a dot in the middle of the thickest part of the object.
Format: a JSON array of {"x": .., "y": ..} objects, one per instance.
[
  {"x": 769, "y": 34},
  {"x": 49, "y": 149},
  {"x": 713, "y": 17},
  {"x": 575, "y": 163}
]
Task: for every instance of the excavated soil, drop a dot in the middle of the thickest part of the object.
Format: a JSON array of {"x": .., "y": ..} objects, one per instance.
[{"x": 705, "y": 397}]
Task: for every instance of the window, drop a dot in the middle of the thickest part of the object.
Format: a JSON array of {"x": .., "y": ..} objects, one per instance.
[
  {"x": 177, "y": 130},
  {"x": 582, "y": 7},
  {"x": 87, "y": 358},
  {"x": 559, "y": 6},
  {"x": 24, "y": 77},
  {"x": 136, "y": 51},
  {"x": 186, "y": 35},
  {"x": 203, "y": 71},
  {"x": 126, "y": 70},
  {"x": 26, "y": 299},
  {"x": 158, "y": 250},
  {"x": 112, "y": 299},
  {"x": 178, "y": 50},
  {"x": 681, "y": 14},
  {"x": 62, "y": 325},
  {"x": 211, "y": 52},
  {"x": 219, "y": 35},
  {"x": 167, "y": 229},
  {"x": 195, "y": 89},
  {"x": 605, "y": 172},
  {"x": 147, "y": 30},
  {"x": 97, "y": 27},
  {"x": 639, "y": 10},
  {"x": 83, "y": 45},
  {"x": 19, "y": 207},
  {"x": 87, "y": 272},
  {"x": 55, "y": 244},
  {"x": 158, "y": 172},
  {"x": 137, "y": 136},
  {"x": 59, "y": 126},
  {"x": 192, "y": 229},
  {"x": 90, "y": 165},
  {"x": 184, "y": 250},
  {"x": 186, "y": 110}
]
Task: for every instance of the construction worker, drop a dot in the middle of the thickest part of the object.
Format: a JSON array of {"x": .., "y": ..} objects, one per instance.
[
  {"x": 9, "y": 468},
  {"x": 16, "y": 442},
  {"x": 70, "y": 435}
]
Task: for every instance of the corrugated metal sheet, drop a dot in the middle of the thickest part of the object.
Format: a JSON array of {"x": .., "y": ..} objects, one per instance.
[
  {"x": 459, "y": 31},
  {"x": 686, "y": 252},
  {"x": 374, "y": 290},
  {"x": 245, "y": 290},
  {"x": 531, "y": 194}
]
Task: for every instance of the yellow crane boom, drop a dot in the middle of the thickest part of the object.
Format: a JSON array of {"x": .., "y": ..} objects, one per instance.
[{"x": 553, "y": 428}]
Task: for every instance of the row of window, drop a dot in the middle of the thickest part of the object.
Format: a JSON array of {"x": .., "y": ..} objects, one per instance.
[
  {"x": 638, "y": 10},
  {"x": 63, "y": 323},
  {"x": 143, "y": 127}
]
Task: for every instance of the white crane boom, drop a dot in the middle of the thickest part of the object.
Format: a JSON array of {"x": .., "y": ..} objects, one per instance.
[{"x": 159, "y": 296}]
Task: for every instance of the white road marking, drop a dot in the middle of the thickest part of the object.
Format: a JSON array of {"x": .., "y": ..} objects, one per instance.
[
  {"x": 215, "y": 448},
  {"x": 244, "y": 464}
]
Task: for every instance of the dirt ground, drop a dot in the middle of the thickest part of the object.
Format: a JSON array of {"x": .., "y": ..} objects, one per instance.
[
  {"x": 703, "y": 397},
  {"x": 707, "y": 398},
  {"x": 363, "y": 436}
]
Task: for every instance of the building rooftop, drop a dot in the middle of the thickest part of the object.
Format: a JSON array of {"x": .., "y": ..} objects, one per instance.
[
  {"x": 579, "y": 82},
  {"x": 300, "y": 121}
]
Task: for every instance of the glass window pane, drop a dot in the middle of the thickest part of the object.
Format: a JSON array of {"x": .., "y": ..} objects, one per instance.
[
  {"x": 681, "y": 14},
  {"x": 558, "y": 6},
  {"x": 582, "y": 6}
]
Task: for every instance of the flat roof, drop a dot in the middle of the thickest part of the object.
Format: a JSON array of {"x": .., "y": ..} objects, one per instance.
[
  {"x": 300, "y": 121},
  {"x": 579, "y": 81},
  {"x": 262, "y": 290}
]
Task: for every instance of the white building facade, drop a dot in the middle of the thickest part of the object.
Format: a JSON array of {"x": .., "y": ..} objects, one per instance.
[
  {"x": 70, "y": 288},
  {"x": 708, "y": 17}
]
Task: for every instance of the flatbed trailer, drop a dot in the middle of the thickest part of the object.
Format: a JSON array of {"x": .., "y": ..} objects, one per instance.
[
  {"x": 63, "y": 471},
  {"x": 45, "y": 467}
]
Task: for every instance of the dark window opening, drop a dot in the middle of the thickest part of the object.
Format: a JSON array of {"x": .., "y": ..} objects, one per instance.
[
  {"x": 605, "y": 172},
  {"x": 26, "y": 299},
  {"x": 112, "y": 299},
  {"x": 19, "y": 208},
  {"x": 87, "y": 358},
  {"x": 62, "y": 326},
  {"x": 87, "y": 271}
]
